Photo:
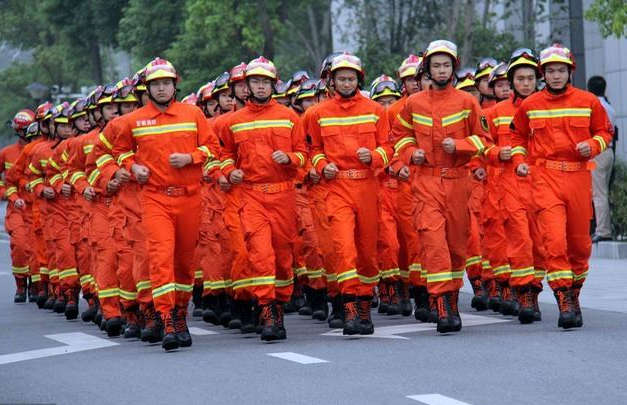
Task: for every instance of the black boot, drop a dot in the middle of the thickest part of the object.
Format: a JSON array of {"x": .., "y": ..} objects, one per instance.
[
  {"x": 71, "y": 307},
  {"x": 270, "y": 322},
  {"x": 307, "y": 308},
  {"x": 224, "y": 310},
  {"x": 480, "y": 297},
  {"x": 210, "y": 311},
  {"x": 443, "y": 305},
  {"x": 235, "y": 322},
  {"x": 132, "y": 330},
  {"x": 59, "y": 304},
  {"x": 403, "y": 297},
  {"x": 336, "y": 318},
  {"x": 535, "y": 292},
  {"x": 567, "y": 317},
  {"x": 197, "y": 300},
  {"x": 433, "y": 309},
  {"x": 384, "y": 298},
  {"x": 394, "y": 307},
  {"x": 245, "y": 311},
  {"x": 170, "y": 339},
  {"x": 575, "y": 299},
  {"x": 42, "y": 295},
  {"x": 180, "y": 326},
  {"x": 525, "y": 301},
  {"x": 421, "y": 304},
  {"x": 33, "y": 287},
  {"x": 506, "y": 307},
  {"x": 456, "y": 320},
  {"x": 319, "y": 305},
  {"x": 114, "y": 326},
  {"x": 364, "y": 305},
  {"x": 514, "y": 301},
  {"x": 20, "y": 290},
  {"x": 494, "y": 295},
  {"x": 351, "y": 316},
  {"x": 92, "y": 308},
  {"x": 280, "y": 321},
  {"x": 153, "y": 332}
]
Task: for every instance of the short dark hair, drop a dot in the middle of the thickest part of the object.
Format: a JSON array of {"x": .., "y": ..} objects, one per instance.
[{"x": 597, "y": 85}]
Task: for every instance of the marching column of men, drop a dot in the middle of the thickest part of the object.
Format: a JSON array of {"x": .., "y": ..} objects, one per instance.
[{"x": 254, "y": 197}]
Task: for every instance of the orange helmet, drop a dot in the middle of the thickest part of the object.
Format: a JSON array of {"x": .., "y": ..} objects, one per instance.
[
  {"x": 124, "y": 92},
  {"x": 237, "y": 73},
  {"x": 262, "y": 67},
  {"x": 42, "y": 110},
  {"x": 22, "y": 119},
  {"x": 160, "y": 69},
  {"x": 409, "y": 67}
]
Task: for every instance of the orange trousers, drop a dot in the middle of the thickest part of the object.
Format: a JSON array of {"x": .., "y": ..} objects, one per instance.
[
  {"x": 171, "y": 224},
  {"x": 20, "y": 242},
  {"x": 495, "y": 240},
  {"x": 65, "y": 253},
  {"x": 352, "y": 207},
  {"x": 318, "y": 194},
  {"x": 79, "y": 240},
  {"x": 240, "y": 265},
  {"x": 475, "y": 254},
  {"x": 443, "y": 221},
  {"x": 105, "y": 257},
  {"x": 40, "y": 255},
  {"x": 409, "y": 245},
  {"x": 48, "y": 235},
  {"x": 388, "y": 246},
  {"x": 564, "y": 208},
  {"x": 309, "y": 246},
  {"x": 268, "y": 221},
  {"x": 124, "y": 256},
  {"x": 538, "y": 250}
]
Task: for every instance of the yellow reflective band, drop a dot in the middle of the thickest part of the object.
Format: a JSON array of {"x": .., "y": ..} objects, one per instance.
[
  {"x": 525, "y": 272},
  {"x": 8, "y": 165},
  {"x": 579, "y": 277},
  {"x": 206, "y": 151},
  {"x": 54, "y": 273},
  {"x": 440, "y": 277},
  {"x": 559, "y": 113},
  {"x": 415, "y": 268},
  {"x": 301, "y": 158},
  {"x": 93, "y": 177},
  {"x": 347, "y": 275},
  {"x": 53, "y": 164},
  {"x": 283, "y": 283},
  {"x": 103, "y": 160},
  {"x": 65, "y": 174},
  {"x": 477, "y": 143},
  {"x": 125, "y": 156},
  {"x": 33, "y": 169},
  {"x": 1, "y": 183},
  {"x": 20, "y": 270},
  {"x": 86, "y": 279},
  {"x": 390, "y": 273},
  {"x": 519, "y": 150},
  {"x": 370, "y": 280},
  {"x": 87, "y": 149},
  {"x": 35, "y": 278},
  {"x": 164, "y": 289},
  {"x": 457, "y": 274},
  {"x": 76, "y": 176},
  {"x": 227, "y": 162},
  {"x": 67, "y": 273},
  {"x": 108, "y": 293},
  {"x": 404, "y": 141},
  {"x": 559, "y": 275},
  {"x": 601, "y": 142},
  {"x": 261, "y": 124},
  {"x": 317, "y": 158},
  {"x": 211, "y": 164},
  {"x": 404, "y": 274},
  {"x": 44, "y": 271},
  {"x": 65, "y": 156},
  {"x": 128, "y": 295},
  {"x": 198, "y": 274},
  {"x": 498, "y": 121},
  {"x": 43, "y": 163},
  {"x": 56, "y": 178},
  {"x": 315, "y": 273},
  {"x": 164, "y": 129},
  {"x": 539, "y": 273},
  {"x": 299, "y": 271},
  {"x": 505, "y": 269},
  {"x": 105, "y": 141},
  {"x": 422, "y": 120},
  {"x": 142, "y": 285},
  {"x": 474, "y": 260},
  {"x": 403, "y": 122},
  {"x": 184, "y": 287},
  {"x": 12, "y": 190},
  {"x": 455, "y": 118},
  {"x": 344, "y": 121},
  {"x": 254, "y": 281},
  {"x": 331, "y": 277},
  {"x": 384, "y": 155},
  {"x": 486, "y": 264}
]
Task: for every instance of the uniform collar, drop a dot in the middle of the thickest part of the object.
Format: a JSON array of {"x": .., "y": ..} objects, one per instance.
[
  {"x": 152, "y": 111},
  {"x": 550, "y": 96},
  {"x": 440, "y": 94},
  {"x": 260, "y": 107},
  {"x": 347, "y": 103}
]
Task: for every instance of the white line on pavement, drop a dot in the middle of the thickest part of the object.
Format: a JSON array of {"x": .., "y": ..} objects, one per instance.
[
  {"x": 298, "y": 358},
  {"x": 75, "y": 342},
  {"x": 201, "y": 332},
  {"x": 436, "y": 399}
]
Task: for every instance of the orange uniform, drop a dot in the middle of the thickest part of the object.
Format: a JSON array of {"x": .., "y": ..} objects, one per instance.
[
  {"x": 170, "y": 200},
  {"x": 267, "y": 196},
  {"x": 547, "y": 129},
  {"x": 442, "y": 185},
  {"x": 338, "y": 128}
]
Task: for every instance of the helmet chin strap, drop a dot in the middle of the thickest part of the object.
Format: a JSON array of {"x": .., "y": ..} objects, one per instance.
[{"x": 167, "y": 103}]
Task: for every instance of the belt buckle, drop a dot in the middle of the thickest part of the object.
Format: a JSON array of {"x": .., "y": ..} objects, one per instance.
[
  {"x": 169, "y": 191},
  {"x": 443, "y": 172},
  {"x": 352, "y": 173},
  {"x": 265, "y": 188}
]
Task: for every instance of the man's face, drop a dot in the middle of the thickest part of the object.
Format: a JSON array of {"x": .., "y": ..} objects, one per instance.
[
  {"x": 525, "y": 81},
  {"x": 44, "y": 128},
  {"x": 411, "y": 85},
  {"x": 109, "y": 112},
  {"x": 484, "y": 88},
  {"x": 226, "y": 101},
  {"x": 210, "y": 107},
  {"x": 162, "y": 90},
  {"x": 556, "y": 75},
  {"x": 82, "y": 123},
  {"x": 440, "y": 69},
  {"x": 425, "y": 82},
  {"x": 308, "y": 102},
  {"x": 97, "y": 114},
  {"x": 260, "y": 87},
  {"x": 126, "y": 108},
  {"x": 345, "y": 82},
  {"x": 501, "y": 89},
  {"x": 65, "y": 131},
  {"x": 386, "y": 101},
  {"x": 241, "y": 90}
]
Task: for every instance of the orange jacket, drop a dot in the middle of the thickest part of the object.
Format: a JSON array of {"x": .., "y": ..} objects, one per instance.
[
  {"x": 253, "y": 133},
  {"x": 8, "y": 156},
  {"x": 431, "y": 116},
  {"x": 36, "y": 164},
  {"x": 499, "y": 119},
  {"x": 15, "y": 178},
  {"x": 56, "y": 172},
  {"x": 549, "y": 127},
  {"x": 78, "y": 160},
  {"x": 101, "y": 165},
  {"x": 339, "y": 127},
  {"x": 148, "y": 137}
]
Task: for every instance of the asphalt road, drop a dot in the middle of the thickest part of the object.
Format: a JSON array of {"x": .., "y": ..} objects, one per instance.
[{"x": 497, "y": 361}]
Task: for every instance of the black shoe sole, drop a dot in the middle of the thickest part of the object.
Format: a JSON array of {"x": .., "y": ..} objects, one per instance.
[
  {"x": 71, "y": 313},
  {"x": 526, "y": 317},
  {"x": 170, "y": 343},
  {"x": 479, "y": 304}
]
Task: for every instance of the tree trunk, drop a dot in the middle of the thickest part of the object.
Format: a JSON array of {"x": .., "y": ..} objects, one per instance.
[
  {"x": 96, "y": 61},
  {"x": 268, "y": 34}
]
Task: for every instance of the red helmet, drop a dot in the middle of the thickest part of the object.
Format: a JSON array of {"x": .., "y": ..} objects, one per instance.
[
  {"x": 22, "y": 119},
  {"x": 238, "y": 73},
  {"x": 191, "y": 98},
  {"x": 204, "y": 93},
  {"x": 42, "y": 110}
]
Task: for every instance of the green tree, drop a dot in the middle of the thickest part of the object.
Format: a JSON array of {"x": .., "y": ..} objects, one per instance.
[{"x": 611, "y": 15}]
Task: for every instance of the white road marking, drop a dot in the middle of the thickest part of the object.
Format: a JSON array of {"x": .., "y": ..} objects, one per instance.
[
  {"x": 391, "y": 332},
  {"x": 75, "y": 342},
  {"x": 201, "y": 332},
  {"x": 298, "y": 358},
  {"x": 436, "y": 399}
]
